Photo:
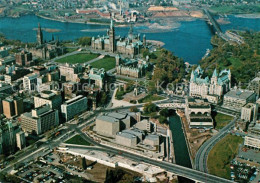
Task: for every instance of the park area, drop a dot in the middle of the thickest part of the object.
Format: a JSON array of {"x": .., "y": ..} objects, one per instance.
[
  {"x": 78, "y": 58},
  {"x": 107, "y": 63},
  {"x": 78, "y": 140},
  {"x": 220, "y": 156},
  {"x": 221, "y": 120}
]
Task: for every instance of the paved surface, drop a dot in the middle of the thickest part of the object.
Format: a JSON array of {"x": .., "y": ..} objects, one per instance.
[{"x": 203, "y": 152}]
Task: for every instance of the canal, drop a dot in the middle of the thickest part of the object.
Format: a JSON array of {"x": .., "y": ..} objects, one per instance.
[{"x": 180, "y": 147}]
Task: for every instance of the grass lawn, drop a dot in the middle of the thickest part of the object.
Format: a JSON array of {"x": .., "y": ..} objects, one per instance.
[
  {"x": 107, "y": 63},
  {"x": 150, "y": 98},
  {"x": 78, "y": 58},
  {"x": 69, "y": 50},
  {"x": 221, "y": 155},
  {"x": 77, "y": 140},
  {"x": 221, "y": 120}
]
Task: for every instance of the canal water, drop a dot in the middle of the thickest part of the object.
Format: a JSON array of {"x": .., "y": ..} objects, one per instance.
[{"x": 180, "y": 147}]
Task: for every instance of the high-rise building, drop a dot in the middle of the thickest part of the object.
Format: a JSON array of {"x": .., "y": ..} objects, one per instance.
[
  {"x": 20, "y": 139},
  {"x": 24, "y": 58},
  {"x": 30, "y": 82},
  {"x": 48, "y": 97},
  {"x": 39, "y": 120},
  {"x": 73, "y": 107},
  {"x": 39, "y": 35},
  {"x": 8, "y": 133},
  {"x": 8, "y": 107}
]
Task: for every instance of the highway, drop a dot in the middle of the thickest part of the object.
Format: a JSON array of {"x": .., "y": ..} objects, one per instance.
[
  {"x": 177, "y": 169},
  {"x": 202, "y": 153}
]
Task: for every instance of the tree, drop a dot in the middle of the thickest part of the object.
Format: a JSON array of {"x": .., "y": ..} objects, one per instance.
[
  {"x": 163, "y": 120},
  {"x": 164, "y": 112},
  {"x": 150, "y": 107},
  {"x": 134, "y": 109},
  {"x": 84, "y": 163},
  {"x": 85, "y": 41}
]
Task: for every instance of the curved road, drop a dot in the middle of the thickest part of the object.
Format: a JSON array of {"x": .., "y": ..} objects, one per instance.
[
  {"x": 202, "y": 154},
  {"x": 177, "y": 169}
]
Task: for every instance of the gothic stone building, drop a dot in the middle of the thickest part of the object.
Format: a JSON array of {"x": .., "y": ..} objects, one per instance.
[
  {"x": 131, "y": 45},
  {"x": 132, "y": 67},
  {"x": 212, "y": 89},
  {"x": 46, "y": 50}
]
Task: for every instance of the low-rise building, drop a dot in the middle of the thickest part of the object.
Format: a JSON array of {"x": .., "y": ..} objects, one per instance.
[
  {"x": 152, "y": 140},
  {"x": 252, "y": 141},
  {"x": 198, "y": 114},
  {"x": 126, "y": 139},
  {"x": 236, "y": 99},
  {"x": 107, "y": 126}
]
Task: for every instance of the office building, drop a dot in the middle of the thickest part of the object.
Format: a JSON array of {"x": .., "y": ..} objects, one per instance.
[
  {"x": 236, "y": 99},
  {"x": 40, "y": 120},
  {"x": 30, "y": 82},
  {"x": 126, "y": 139},
  {"x": 20, "y": 139},
  {"x": 107, "y": 126},
  {"x": 74, "y": 107},
  {"x": 48, "y": 97}
]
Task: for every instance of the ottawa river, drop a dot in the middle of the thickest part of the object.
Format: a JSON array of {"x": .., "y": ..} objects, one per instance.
[{"x": 189, "y": 41}]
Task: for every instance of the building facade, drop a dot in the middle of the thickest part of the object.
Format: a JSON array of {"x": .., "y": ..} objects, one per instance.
[
  {"x": 207, "y": 88},
  {"x": 39, "y": 120},
  {"x": 74, "y": 107},
  {"x": 131, "y": 45}
]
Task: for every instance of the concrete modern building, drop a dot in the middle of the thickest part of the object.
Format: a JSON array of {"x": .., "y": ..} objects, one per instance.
[
  {"x": 126, "y": 139},
  {"x": 39, "y": 120},
  {"x": 252, "y": 141},
  {"x": 152, "y": 140},
  {"x": 74, "y": 107},
  {"x": 20, "y": 139},
  {"x": 48, "y": 97},
  {"x": 69, "y": 72},
  {"x": 12, "y": 106},
  {"x": 249, "y": 112},
  {"x": 107, "y": 126},
  {"x": 24, "y": 58},
  {"x": 236, "y": 99},
  {"x": 205, "y": 88},
  {"x": 8, "y": 133},
  {"x": 254, "y": 85},
  {"x": 198, "y": 114},
  {"x": 144, "y": 125},
  {"x": 30, "y": 82}
]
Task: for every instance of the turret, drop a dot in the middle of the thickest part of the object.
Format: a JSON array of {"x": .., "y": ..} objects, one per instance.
[
  {"x": 144, "y": 40},
  {"x": 39, "y": 35}
]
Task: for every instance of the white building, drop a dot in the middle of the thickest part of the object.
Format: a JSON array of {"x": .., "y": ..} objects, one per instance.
[
  {"x": 48, "y": 97},
  {"x": 205, "y": 88},
  {"x": 74, "y": 107},
  {"x": 249, "y": 112},
  {"x": 20, "y": 139},
  {"x": 30, "y": 82},
  {"x": 252, "y": 141}
]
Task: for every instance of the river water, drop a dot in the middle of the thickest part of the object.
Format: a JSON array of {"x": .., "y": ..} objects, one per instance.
[{"x": 189, "y": 41}]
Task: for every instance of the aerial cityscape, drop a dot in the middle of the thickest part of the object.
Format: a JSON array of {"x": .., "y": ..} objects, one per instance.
[{"x": 129, "y": 91}]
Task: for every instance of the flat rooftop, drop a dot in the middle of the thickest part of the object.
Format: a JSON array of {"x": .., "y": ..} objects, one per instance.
[
  {"x": 239, "y": 94},
  {"x": 107, "y": 119}
]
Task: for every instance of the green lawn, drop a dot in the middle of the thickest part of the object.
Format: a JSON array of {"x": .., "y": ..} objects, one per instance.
[
  {"x": 107, "y": 63},
  {"x": 69, "y": 50},
  {"x": 77, "y": 140},
  {"x": 150, "y": 98},
  {"x": 78, "y": 58},
  {"x": 221, "y": 155},
  {"x": 221, "y": 120}
]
